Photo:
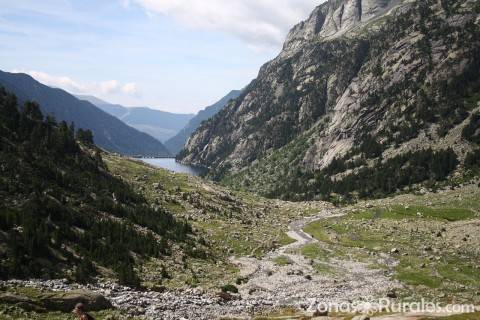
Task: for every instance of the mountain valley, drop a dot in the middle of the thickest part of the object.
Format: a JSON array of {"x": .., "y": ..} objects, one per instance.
[
  {"x": 358, "y": 101},
  {"x": 159, "y": 124},
  {"x": 347, "y": 173}
]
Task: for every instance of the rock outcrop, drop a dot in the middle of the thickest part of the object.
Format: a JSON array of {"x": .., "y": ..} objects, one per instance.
[
  {"x": 335, "y": 18},
  {"x": 398, "y": 72},
  {"x": 66, "y": 301},
  {"x": 58, "y": 301}
]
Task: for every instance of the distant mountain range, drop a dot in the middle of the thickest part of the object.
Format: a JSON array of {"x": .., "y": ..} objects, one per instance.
[
  {"x": 109, "y": 132},
  {"x": 176, "y": 143},
  {"x": 159, "y": 124}
]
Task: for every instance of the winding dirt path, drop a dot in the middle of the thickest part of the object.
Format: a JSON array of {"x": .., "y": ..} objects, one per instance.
[{"x": 285, "y": 277}]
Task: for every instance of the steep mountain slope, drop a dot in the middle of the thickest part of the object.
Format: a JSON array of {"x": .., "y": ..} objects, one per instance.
[
  {"x": 176, "y": 143},
  {"x": 361, "y": 89},
  {"x": 63, "y": 214},
  {"x": 91, "y": 99},
  {"x": 109, "y": 132},
  {"x": 159, "y": 124}
]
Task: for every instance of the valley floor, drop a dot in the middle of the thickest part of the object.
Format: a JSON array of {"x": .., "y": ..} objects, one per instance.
[{"x": 282, "y": 257}]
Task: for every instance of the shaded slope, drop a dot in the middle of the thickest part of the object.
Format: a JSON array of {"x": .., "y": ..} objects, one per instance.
[{"x": 62, "y": 213}]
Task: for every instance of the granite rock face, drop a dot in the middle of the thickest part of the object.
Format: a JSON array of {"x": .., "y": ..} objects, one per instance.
[
  {"x": 336, "y": 18},
  {"x": 386, "y": 69}
]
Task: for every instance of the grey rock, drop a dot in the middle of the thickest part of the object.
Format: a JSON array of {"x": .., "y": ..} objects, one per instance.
[
  {"x": 66, "y": 301},
  {"x": 63, "y": 301},
  {"x": 313, "y": 99}
]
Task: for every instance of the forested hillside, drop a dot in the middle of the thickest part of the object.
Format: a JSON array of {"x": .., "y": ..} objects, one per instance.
[{"x": 62, "y": 213}]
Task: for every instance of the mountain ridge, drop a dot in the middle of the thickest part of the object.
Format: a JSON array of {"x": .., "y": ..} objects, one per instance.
[
  {"x": 176, "y": 143},
  {"x": 402, "y": 75},
  {"x": 161, "y": 125},
  {"x": 109, "y": 132}
]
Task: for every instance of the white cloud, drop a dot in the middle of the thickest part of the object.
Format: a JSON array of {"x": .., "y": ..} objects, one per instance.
[
  {"x": 130, "y": 88},
  {"x": 260, "y": 23},
  {"x": 100, "y": 89},
  {"x": 57, "y": 81},
  {"x": 110, "y": 86}
]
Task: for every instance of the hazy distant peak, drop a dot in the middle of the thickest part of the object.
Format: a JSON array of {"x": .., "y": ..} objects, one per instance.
[{"x": 96, "y": 101}]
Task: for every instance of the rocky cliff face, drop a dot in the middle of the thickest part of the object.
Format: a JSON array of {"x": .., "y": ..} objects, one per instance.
[
  {"x": 335, "y": 18},
  {"x": 396, "y": 75},
  {"x": 176, "y": 143}
]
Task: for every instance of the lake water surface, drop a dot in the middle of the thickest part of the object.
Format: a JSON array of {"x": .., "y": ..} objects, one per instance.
[{"x": 172, "y": 165}]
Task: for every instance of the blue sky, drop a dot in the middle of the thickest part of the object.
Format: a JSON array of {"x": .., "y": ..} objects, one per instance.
[{"x": 173, "y": 55}]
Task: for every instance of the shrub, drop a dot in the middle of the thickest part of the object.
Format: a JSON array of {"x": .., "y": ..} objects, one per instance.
[
  {"x": 229, "y": 288},
  {"x": 471, "y": 131},
  {"x": 472, "y": 159}
]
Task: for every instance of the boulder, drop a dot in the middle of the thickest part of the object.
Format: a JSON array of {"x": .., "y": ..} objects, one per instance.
[
  {"x": 66, "y": 301},
  {"x": 225, "y": 296},
  {"x": 21, "y": 302}
]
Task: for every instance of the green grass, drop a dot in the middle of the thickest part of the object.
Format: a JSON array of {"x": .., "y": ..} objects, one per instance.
[
  {"x": 399, "y": 212},
  {"x": 284, "y": 314},
  {"x": 28, "y": 292},
  {"x": 219, "y": 229},
  {"x": 323, "y": 268},
  {"x": 362, "y": 236},
  {"x": 282, "y": 261},
  {"x": 335, "y": 231},
  {"x": 316, "y": 229},
  {"x": 314, "y": 251},
  {"x": 445, "y": 268},
  {"x": 11, "y": 312},
  {"x": 417, "y": 277},
  {"x": 128, "y": 168},
  {"x": 457, "y": 270},
  {"x": 285, "y": 239},
  {"x": 8, "y": 312},
  {"x": 348, "y": 234}
]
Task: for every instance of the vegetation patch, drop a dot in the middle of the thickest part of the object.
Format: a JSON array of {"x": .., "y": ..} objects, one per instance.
[
  {"x": 286, "y": 240},
  {"x": 231, "y": 223},
  {"x": 282, "y": 261},
  {"x": 434, "y": 245},
  {"x": 472, "y": 132},
  {"x": 403, "y": 212},
  {"x": 229, "y": 288},
  {"x": 314, "y": 251}
]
